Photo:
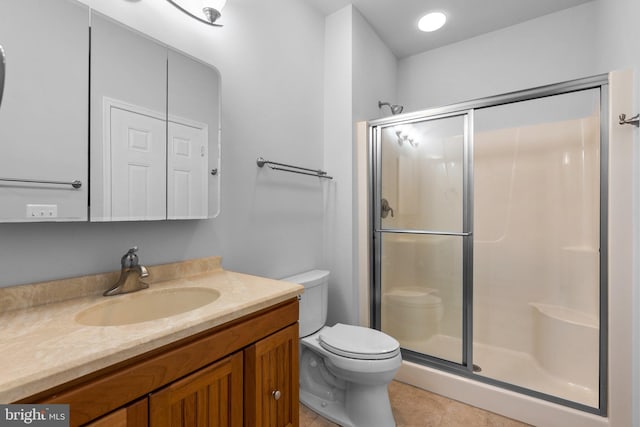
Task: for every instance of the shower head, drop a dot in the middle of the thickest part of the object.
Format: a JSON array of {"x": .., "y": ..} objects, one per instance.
[{"x": 395, "y": 109}]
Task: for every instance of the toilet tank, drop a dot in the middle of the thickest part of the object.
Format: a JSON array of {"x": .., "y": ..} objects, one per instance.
[{"x": 313, "y": 302}]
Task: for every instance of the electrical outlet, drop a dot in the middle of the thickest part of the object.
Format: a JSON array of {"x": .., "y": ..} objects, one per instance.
[{"x": 42, "y": 211}]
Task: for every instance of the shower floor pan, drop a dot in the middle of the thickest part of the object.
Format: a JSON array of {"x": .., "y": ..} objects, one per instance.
[{"x": 513, "y": 367}]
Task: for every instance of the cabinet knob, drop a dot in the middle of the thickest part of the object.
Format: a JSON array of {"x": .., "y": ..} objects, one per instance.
[{"x": 276, "y": 394}]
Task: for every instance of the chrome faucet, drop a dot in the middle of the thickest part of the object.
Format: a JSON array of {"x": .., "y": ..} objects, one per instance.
[{"x": 128, "y": 281}]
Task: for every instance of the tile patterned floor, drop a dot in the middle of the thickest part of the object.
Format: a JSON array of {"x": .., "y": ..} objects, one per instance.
[{"x": 414, "y": 407}]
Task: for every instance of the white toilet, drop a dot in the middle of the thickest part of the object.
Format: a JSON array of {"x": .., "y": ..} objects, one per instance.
[{"x": 344, "y": 370}]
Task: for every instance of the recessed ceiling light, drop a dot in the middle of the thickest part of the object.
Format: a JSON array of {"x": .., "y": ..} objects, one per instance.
[{"x": 432, "y": 21}]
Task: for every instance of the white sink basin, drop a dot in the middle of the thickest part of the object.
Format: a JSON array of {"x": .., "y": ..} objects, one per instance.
[{"x": 146, "y": 305}]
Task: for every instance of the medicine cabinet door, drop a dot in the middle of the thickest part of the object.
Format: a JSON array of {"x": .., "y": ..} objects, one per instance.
[
  {"x": 128, "y": 123},
  {"x": 43, "y": 111},
  {"x": 155, "y": 125}
]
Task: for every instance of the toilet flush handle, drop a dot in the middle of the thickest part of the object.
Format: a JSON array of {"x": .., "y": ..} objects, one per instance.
[{"x": 276, "y": 394}]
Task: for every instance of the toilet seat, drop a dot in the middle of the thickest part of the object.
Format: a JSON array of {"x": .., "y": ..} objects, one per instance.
[{"x": 356, "y": 342}]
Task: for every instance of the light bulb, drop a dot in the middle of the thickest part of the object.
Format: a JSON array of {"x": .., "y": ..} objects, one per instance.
[{"x": 213, "y": 9}]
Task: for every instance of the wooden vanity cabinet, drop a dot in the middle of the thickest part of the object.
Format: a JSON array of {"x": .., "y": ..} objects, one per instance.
[
  {"x": 211, "y": 397},
  {"x": 271, "y": 381},
  {"x": 227, "y": 376},
  {"x": 133, "y": 415}
]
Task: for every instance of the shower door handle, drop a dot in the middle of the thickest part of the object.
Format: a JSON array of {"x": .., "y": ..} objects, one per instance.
[
  {"x": 385, "y": 209},
  {"x": 3, "y": 67}
]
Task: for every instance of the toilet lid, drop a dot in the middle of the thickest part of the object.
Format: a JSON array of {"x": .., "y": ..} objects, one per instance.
[{"x": 357, "y": 342}]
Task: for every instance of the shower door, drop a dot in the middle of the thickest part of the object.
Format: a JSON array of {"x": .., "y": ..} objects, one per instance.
[
  {"x": 422, "y": 232},
  {"x": 490, "y": 239},
  {"x": 536, "y": 250}
]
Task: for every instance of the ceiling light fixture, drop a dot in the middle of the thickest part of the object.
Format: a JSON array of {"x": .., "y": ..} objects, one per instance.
[
  {"x": 206, "y": 11},
  {"x": 432, "y": 21}
]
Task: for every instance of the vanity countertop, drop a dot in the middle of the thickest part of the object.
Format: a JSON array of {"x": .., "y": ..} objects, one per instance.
[{"x": 42, "y": 346}]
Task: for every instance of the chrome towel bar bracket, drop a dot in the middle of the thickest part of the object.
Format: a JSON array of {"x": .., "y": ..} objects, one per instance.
[
  {"x": 291, "y": 168},
  {"x": 635, "y": 120}
]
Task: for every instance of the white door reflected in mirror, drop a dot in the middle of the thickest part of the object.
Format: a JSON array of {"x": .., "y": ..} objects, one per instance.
[
  {"x": 187, "y": 168},
  {"x": 155, "y": 115},
  {"x": 138, "y": 149}
]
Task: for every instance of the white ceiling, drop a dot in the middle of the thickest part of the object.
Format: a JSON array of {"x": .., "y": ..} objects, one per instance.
[{"x": 396, "y": 21}]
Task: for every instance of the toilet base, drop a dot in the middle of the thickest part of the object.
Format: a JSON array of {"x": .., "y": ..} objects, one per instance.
[
  {"x": 330, "y": 409},
  {"x": 368, "y": 416},
  {"x": 358, "y": 401}
]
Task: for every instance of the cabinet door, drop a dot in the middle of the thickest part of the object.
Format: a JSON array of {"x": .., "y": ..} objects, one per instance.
[
  {"x": 44, "y": 110},
  {"x": 210, "y": 397},
  {"x": 134, "y": 415},
  {"x": 271, "y": 380}
]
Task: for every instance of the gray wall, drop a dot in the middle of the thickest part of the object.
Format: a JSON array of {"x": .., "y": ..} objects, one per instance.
[
  {"x": 359, "y": 70},
  {"x": 546, "y": 50}
]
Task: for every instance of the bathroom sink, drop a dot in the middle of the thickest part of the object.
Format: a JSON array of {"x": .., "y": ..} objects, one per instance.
[{"x": 146, "y": 305}]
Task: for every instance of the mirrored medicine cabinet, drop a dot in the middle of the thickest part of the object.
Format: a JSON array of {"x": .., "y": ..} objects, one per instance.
[
  {"x": 43, "y": 111},
  {"x": 136, "y": 123}
]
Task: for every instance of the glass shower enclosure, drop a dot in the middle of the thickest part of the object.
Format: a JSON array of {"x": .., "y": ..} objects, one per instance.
[{"x": 489, "y": 239}]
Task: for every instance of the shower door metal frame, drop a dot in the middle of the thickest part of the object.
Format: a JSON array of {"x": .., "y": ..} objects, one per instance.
[
  {"x": 465, "y": 369},
  {"x": 465, "y": 234}
]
